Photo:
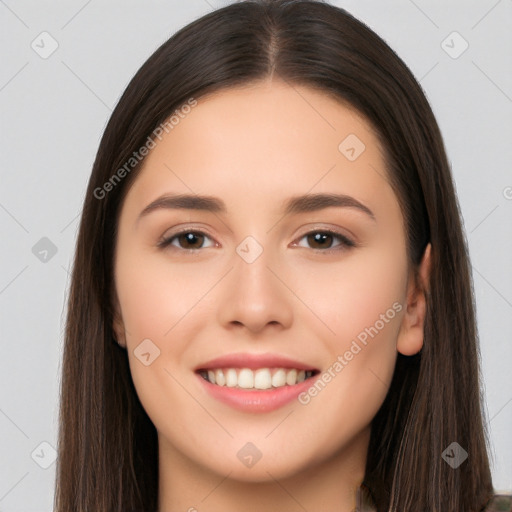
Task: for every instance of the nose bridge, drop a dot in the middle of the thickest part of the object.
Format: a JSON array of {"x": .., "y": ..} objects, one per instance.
[
  {"x": 254, "y": 281},
  {"x": 254, "y": 296}
]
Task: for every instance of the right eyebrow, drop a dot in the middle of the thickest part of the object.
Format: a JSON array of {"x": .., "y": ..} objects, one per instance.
[{"x": 185, "y": 202}]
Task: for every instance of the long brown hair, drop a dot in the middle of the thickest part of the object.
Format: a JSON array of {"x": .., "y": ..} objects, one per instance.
[{"x": 107, "y": 447}]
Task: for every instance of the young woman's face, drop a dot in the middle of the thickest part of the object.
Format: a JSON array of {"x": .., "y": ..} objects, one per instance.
[{"x": 268, "y": 271}]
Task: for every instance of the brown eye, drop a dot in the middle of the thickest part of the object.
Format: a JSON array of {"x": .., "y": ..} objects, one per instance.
[
  {"x": 320, "y": 240},
  {"x": 187, "y": 240},
  {"x": 190, "y": 240},
  {"x": 323, "y": 240}
]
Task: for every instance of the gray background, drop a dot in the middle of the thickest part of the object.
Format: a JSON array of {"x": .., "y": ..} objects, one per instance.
[{"x": 54, "y": 110}]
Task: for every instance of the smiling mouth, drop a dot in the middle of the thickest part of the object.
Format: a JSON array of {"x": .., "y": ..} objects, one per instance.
[{"x": 260, "y": 379}]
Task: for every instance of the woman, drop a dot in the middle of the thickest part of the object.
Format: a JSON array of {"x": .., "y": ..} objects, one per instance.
[{"x": 271, "y": 304}]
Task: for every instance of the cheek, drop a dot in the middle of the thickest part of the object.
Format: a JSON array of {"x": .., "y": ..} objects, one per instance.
[
  {"x": 360, "y": 302},
  {"x": 157, "y": 304},
  {"x": 156, "y": 296},
  {"x": 351, "y": 295},
  {"x": 161, "y": 303}
]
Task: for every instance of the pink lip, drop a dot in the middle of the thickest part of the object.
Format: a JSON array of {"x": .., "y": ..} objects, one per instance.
[
  {"x": 257, "y": 400},
  {"x": 253, "y": 362}
]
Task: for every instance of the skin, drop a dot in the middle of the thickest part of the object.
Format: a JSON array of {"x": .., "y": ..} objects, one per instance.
[{"x": 254, "y": 147}]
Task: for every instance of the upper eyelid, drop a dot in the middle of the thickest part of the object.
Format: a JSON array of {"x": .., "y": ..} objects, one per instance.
[
  {"x": 314, "y": 228},
  {"x": 331, "y": 231},
  {"x": 201, "y": 231},
  {"x": 347, "y": 240}
]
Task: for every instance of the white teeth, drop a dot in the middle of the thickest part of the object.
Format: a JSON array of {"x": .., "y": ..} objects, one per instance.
[
  {"x": 263, "y": 378},
  {"x": 246, "y": 379},
  {"x": 291, "y": 377},
  {"x": 279, "y": 378},
  {"x": 219, "y": 378},
  {"x": 231, "y": 378}
]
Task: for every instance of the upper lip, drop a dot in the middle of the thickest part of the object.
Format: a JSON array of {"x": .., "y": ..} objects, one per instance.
[{"x": 253, "y": 362}]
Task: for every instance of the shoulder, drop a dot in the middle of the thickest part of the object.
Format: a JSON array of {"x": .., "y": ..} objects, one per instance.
[{"x": 499, "y": 503}]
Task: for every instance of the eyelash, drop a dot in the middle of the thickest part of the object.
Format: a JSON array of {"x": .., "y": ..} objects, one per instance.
[{"x": 345, "y": 242}]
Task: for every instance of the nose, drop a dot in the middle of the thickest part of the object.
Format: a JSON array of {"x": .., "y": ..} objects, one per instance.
[{"x": 253, "y": 296}]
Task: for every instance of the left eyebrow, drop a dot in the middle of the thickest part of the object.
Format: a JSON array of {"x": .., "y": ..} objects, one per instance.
[
  {"x": 315, "y": 202},
  {"x": 294, "y": 205}
]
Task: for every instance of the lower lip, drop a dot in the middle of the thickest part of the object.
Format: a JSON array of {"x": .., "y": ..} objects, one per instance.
[{"x": 257, "y": 400}]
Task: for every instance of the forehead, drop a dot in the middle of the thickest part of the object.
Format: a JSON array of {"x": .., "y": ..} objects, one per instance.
[{"x": 263, "y": 141}]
